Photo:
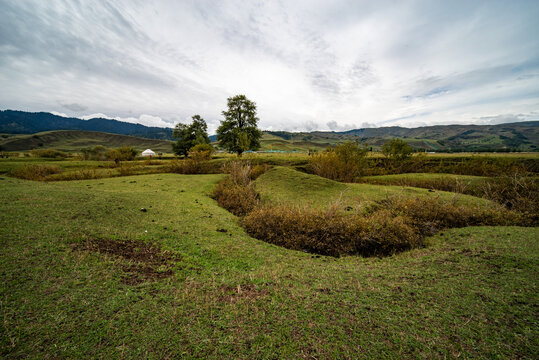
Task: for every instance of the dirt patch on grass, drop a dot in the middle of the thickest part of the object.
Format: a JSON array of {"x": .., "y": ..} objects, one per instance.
[{"x": 139, "y": 261}]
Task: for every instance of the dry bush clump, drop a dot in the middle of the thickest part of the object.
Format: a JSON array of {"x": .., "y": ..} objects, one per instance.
[
  {"x": 187, "y": 166},
  {"x": 329, "y": 233},
  {"x": 236, "y": 192},
  {"x": 82, "y": 174},
  {"x": 516, "y": 192},
  {"x": 430, "y": 214},
  {"x": 239, "y": 172},
  {"x": 343, "y": 163},
  {"x": 238, "y": 199},
  {"x": 443, "y": 183},
  {"x": 128, "y": 169},
  {"x": 35, "y": 172},
  {"x": 393, "y": 225},
  {"x": 48, "y": 153}
]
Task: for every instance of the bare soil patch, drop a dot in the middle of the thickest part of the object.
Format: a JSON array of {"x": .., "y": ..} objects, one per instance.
[{"x": 141, "y": 261}]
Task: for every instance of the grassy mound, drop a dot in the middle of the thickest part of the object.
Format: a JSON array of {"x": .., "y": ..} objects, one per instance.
[{"x": 282, "y": 185}]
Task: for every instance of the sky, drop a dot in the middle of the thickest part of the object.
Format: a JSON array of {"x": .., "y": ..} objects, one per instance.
[{"x": 308, "y": 65}]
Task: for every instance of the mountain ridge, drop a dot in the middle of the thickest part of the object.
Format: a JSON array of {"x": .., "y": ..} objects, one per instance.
[
  {"x": 517, "y": 136},
  {"x": 22, "y": 122}
]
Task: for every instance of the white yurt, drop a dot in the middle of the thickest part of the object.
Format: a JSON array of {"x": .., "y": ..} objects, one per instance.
[{"x": 148, "y": 152}]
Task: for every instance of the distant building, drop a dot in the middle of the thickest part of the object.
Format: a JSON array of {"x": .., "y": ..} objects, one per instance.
[{"x": 148, "y": 152}]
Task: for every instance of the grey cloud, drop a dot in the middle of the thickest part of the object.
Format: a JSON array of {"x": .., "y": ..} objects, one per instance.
[
  {"x": 366, "y": 125},
  {"x": 440, "y": 85},
  {"x": 310, "y": 125},
  {"x": 505, "y": 118},
  {"x": 63, "y": 41},
  {"x": 332, "y": 125},
  {"x": 74, "y": 107},
  {"x": 335, "y": 126}
]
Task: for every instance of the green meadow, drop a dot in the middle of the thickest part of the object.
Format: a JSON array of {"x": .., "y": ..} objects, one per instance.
[
  {"x": 149, "y": 266},
  {"x": 286, "y": 185}
]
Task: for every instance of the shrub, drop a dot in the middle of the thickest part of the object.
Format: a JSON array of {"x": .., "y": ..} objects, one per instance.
[
  {"x": 239, "y": 172},
  {"x": 186, "y": 166},
  {"x": 474, "y": 165},
  {"x": 396, "y": 224},
  {"x": 98, "y": 152},
  {"x": 239, "y": 199},
  {"x": 124, "y": 153},
  {"x": 516, "y": 192},
  {"x": 329, "y": 233},
  {"x": 48, "y": 153},
  {"x": 430, "y": 214},
  {"x": 128, "y": 169},
  {"x": 201, "y": 152},
  {"x": 35, "y": 172},
  {"x": 82, "y": 174},
  {"x": 343, "y": 163},
  {"x": 444, "y": 183},
  {"x": 236, "y": 192}
]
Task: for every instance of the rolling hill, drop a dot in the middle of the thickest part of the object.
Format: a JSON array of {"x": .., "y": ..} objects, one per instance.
[
  {"x": 522, "y": 136},
  {"x": 73, "y": 140},
  {"x": 21, "y": 122}
]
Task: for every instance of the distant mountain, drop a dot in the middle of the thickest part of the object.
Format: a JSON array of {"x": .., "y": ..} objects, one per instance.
[
  {"x": 521, "y": 136},
  {"x": 21, "y": 122}
]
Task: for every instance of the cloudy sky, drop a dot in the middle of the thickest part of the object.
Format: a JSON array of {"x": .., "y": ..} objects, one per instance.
[{"x": 326, "y": 65}]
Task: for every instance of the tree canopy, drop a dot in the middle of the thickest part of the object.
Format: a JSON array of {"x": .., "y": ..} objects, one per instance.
[
  {"x": 397, "y": 149},
  {"x": 238, "y": 132},
  {"x": 189, "y": 135}
]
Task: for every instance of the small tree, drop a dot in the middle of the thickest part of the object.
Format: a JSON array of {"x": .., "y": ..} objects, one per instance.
[
  {"x": 190, "y": 135},
  {"x": 397, "y": 149},
  {"x": 239, "y": 132}
]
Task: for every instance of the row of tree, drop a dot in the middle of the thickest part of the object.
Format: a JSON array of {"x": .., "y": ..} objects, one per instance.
[{"x": 237, "y": 133}]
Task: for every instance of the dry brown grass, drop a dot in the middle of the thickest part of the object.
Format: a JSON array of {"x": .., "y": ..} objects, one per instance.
[
  {"x": 236, "y": 192},
  {"x": 35, "y": 172},
  {"x": 393, "y": 225},
  {"x": 331, "y": 233}
]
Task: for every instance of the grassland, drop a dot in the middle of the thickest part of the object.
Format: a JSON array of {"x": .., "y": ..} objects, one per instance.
[
  {"x": 149, "y": 266},
  {"x": 471, "y": 293}
]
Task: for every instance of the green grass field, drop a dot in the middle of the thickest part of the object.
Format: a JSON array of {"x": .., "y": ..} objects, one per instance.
[
  {"x": 286, "y": 185},
  {"x": 218, "y": 293}
]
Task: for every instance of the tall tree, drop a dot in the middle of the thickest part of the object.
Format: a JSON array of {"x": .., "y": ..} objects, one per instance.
[
  {"x": 238, "y": 131},
  {"x": 189, "y": 135}
]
